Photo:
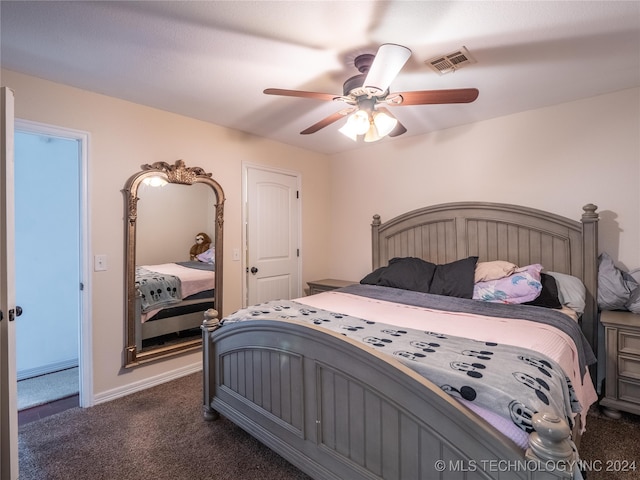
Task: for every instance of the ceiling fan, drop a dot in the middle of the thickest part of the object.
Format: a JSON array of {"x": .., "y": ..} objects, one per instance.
[{"x": 367, "y": 96}]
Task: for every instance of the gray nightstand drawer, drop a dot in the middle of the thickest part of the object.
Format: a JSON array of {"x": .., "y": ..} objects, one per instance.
[
  {"x": 622, "y": 339},
  {"x": 629, "y": 342},
  {"x": 629, "y": 366},
  {"x": 629, "y": 391}
]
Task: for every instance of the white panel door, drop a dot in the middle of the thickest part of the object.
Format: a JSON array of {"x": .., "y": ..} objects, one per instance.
[
  {"x": 272, "y": 213},
  {"x": 8, "y": 309}
]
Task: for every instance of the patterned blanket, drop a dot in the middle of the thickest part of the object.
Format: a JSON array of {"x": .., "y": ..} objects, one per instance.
[
  {"x": 156, "y": 289},
  {"x": 511, "y": 381},
  {"x": 547, "y": 316}
]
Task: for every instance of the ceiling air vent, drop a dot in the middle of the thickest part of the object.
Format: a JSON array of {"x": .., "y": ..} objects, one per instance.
[{"x": 451, "y": 62}]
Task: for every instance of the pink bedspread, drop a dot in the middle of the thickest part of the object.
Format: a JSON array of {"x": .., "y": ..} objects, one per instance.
[
  {"x": 192, "y": 281},
  {"x": 531, "y": 335}
]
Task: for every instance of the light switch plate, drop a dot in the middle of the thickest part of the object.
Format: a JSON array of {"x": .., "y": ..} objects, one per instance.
[{"x": 100, "y": 263}]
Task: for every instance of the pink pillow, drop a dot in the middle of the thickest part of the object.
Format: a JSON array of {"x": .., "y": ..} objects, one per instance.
[
  {"x": 523, "y": 285},
  {"x": 494, "y": 270}
]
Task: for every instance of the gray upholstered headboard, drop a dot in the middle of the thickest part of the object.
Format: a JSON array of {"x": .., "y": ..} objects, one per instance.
[{"x": 495, "y": 231}]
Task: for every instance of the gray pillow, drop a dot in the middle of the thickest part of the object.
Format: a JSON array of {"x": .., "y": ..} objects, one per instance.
[
  {"x": 614, "y": 285},
  {"x": 571, "y": 291},
  {"x": 633, "y": 305},
  {"x": 408, "y": 273},
  {"x": 455, "y": 279}
]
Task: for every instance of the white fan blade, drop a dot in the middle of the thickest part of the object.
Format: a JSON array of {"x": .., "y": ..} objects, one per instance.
[{"x": 386, "y": 65}]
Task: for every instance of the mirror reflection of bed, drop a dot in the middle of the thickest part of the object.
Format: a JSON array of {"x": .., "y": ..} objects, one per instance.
[
  {"x": 172, "y": 300},
  {"x": 178, "y": 288},
  {"x": 174, "y": 253}
]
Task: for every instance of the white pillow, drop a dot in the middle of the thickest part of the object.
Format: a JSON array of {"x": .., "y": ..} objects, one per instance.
[
  {"x": 208, "y": 256},
  {"x": 571, "y": 291}
]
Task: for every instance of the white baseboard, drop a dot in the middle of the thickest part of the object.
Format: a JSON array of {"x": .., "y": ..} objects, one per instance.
[
  {"x": 49, "y": 368},
  {"x": 146, "y": 383}
]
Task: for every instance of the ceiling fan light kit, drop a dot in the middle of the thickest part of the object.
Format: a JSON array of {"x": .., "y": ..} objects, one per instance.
[
  {"x": 357, "y": 124},
  {"x": 367, "y": 93},
  {"x": 384, "y": 123},
  {"x": 373, "y": 125},
  {"x": 372, "y": 135}
]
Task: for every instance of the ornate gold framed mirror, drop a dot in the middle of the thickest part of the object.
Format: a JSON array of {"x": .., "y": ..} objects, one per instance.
[{"x": 173, "y": 238}]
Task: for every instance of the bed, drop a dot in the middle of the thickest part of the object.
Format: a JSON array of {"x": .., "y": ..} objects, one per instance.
[
  {"x": 340, "y": 408},
  {"x": 171, "y": 297}
]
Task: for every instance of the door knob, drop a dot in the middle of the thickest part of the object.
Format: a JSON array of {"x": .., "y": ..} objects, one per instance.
[
  {"x": 254, "y": 270},
  {"x": 15, "y": 313}
]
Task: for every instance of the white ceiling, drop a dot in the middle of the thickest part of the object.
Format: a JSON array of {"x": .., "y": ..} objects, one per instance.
[{"x": 211, "y": 60}]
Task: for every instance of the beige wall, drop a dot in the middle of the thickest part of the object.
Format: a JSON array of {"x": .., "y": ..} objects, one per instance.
[
  {"x": 556, "y": 159},
  {"x": 124, "y": 136},
  {"x": 169, "y": 218}
]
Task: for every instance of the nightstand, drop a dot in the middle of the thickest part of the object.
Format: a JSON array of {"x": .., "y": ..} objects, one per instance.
[
  {"x": 327, "y": 284},
  {"x": 622, "y": 337}
]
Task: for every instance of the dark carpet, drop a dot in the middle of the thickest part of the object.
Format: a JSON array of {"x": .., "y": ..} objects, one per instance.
[
  {"x": 157, "y": 434},
  {"x": 160, "y": 434},
  {"x": 610, "y": 448}
]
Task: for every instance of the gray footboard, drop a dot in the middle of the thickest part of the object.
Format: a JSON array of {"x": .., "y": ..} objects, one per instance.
[{"x": 338, "y": 410}]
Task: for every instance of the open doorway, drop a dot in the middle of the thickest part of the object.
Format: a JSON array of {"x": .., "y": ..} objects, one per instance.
[{"x": 50, "y": 266}]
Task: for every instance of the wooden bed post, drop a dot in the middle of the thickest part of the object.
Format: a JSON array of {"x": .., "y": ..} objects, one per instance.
[
  {"x": 375, "y": 241},
  {"x": 550, "y": 444},
  {"x": 210, "y": 324},
  {"x": 590, "y": 278}
]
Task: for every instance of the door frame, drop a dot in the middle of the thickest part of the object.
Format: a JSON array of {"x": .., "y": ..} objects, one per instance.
[
  {"x": 246, "y": 166},
  {"x": 8, "y": 381},
  {"x": 85, "y": 359}
]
